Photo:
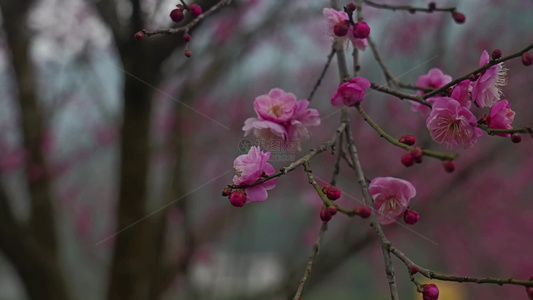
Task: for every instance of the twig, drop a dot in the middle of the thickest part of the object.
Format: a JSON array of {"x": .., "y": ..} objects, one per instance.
[
  {"x": 395, "y": 142},
  {"x": 388, "y": 75},
  {"x": 389, "y": 268},
  {"x": 408, "y": 8},
  {"x": 386, "y": 72},
  {"x": 433, "y": 275},
  {"x": 355, "y": 53},
  {"x": 401, "y": 95},
  {"x": 186, "y": 28},
  {"x": 481, "y": 69},
  {"x": 318, "y": 189},
  {"x": 319, "y": 81},
  {"x": 337, "y": 166},
  {"x": 316, "y": 248},
  {"x": 492, "y": 131}
]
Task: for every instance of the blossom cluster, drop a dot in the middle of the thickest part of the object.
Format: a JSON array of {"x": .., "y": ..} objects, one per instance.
[
  {"x": 281, "y": 116},
  {"x": 339, "y": 27},
  {"x": 450, "y": 120}
]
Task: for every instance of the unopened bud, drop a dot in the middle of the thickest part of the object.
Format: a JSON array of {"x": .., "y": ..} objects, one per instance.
[
  {"x": 408, "y": 140},
  {"x": 226, "y": 192},
  {"x": 430, "y": 292},
  {"x": 458, "y": 17},
  {"x": 333, "y": 193},
  {"x": 361, "y": 30},
  {"x": 496, "y": 54},
  {"x": 449, "y": 166},
  {"x": 238, "y": 198},
  {"x": 411, "y": 217},
  {"x": 516, "y": 138},
  {"x": 363, "y": 211},
  {"x": 527, "y": 60}
]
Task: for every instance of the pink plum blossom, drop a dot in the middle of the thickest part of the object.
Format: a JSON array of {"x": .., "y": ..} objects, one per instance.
[
  {"x": 486, "y": 89},
  {"x": 452, "y": 123},
  {"x": 350, "y": 93},
  {"x": 391, "y": 198},
  {"x": 277, "y": 106},
  {"x": 434, "y": 79},
  {"x": 301, "y": 120},
  {"x": 501, "y": 117},
  {"x": 252, "y": 167},
  {"x": 461, "y": 93},
  {"x": 334, "y": 17},
  {"x": 281, "y": 116}
]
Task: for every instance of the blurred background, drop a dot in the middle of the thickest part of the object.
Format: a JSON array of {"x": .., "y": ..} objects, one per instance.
[{"x": 114, "y": 152}]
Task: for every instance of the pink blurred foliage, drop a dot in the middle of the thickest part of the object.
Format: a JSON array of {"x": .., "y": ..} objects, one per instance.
[
  {"x": 11, "y": 160},
  {"x": 34, "y": 173}
]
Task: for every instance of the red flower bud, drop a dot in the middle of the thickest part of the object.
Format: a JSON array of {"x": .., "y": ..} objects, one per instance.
[
  {"x": 408, "y": 140},
  {"x": 332, "y": 210},
  {"x": 139, "y": 35},
  {"x": 449, "y": 166},
  {"x": 413, "y": 270},
  {"x": 325, "y": 216},
  {"x": 187, "y": 53},
  {"x": 430, "y": 292},
  {"x": 237, "y": 198},
  {"x": 363, "y": 211},
  {"x": 416, "y": 153},
  {"x": 226, "y": 192},
  {"x": 361, "y": 30},
  {"x": 411, "y": 217},
  {"x": 407, "y": 160},
  {"x": 432, "y": 6},
  {"x": 186, "y": 38},
  {"x": 527, "y": 60},
  {"x": 516, "y": 138},
  {"x": 333, "y": 193},
  {"x": 176, "y": 15},
  {"x": 496, "y": 54},
  {"x": 351, "y": 7},
  {"x": 341, "y": 29},
  {"x": 195, "y": 10},
  {"x": 458, "y": 17}
]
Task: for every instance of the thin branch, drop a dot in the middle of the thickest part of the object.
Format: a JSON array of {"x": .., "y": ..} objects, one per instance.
[
  {"x": 492, "y": 131},
  {"x": 433, "y": 275},
  {"x": 191, "y": 24},
  {"x": 337, "y": 167},
  {"x": 389, "y": 268},
  {"x": 318, "y": 189},
  {"x": 401, "y": 95},
  {"x": 316, "y": 248},
  {"x": 386, "y": 72},
  {"x": 408, "y": 7},
  {"x": 481, "y": 69},
  {"x": 388, "y": 75},
  {"x": 395, "y": 142},
  {"x": 319, "y": 81}
]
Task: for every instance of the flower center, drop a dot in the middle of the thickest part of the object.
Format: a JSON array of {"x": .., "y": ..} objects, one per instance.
[
  {"x": 391, "y": 203},
  {"x": 277, "y": 110},
  {"x": 454, "y": 127}
]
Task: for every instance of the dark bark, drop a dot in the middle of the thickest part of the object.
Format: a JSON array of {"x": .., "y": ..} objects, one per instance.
[
  {"x": 32, "y": 121},
  {"x": 32, "y": 249}
]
